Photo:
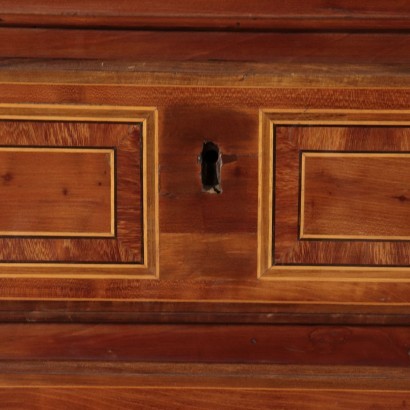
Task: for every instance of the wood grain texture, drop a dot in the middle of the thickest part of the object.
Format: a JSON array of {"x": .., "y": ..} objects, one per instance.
[
  {"x": 280, "y": 344},
  {"x": 157, "y": 46},
  {"x": 75, "y": 135},
  {"x": 221, "y": 269},
  {"x": 290, "y": 141},
  {"x": 209, "y": 74},
  {"x": 97, "y": 374},
  {"x": 201, "y": 97},
  {"x": 355, "y": 196},
  {"x": 57, "y": 192},
  {"x": 127, "y": 385},
  {"x": 130, "y": 150},
  {"x": 209, "y": 245},
  {"x": 126, "y": 312},
  {"x": 194, "y": 14},
  {"x": 160, "y": 398}
]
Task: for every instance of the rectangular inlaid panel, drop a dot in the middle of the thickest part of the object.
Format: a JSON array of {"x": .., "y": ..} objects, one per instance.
[
  {"x": 57, "y": 192},
  {"x": 71, "y": 192},
  {"x": 344, "y": 208},
  {"x": 78, "y": 190},
  {"x": 355, "y": 196},
  {"x": 334, "y": 189}
]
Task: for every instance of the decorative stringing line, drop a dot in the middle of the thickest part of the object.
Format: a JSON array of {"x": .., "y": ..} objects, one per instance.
[
  {"x": 265, "y": 190},
  {"x": 148, "y": 117},
  {"x": 302, "y": 196},
  {"x": 269, "y": 119},
  {"x": 113, "y": 193}
]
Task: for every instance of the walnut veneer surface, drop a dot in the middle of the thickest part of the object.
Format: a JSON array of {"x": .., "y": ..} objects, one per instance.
[{"x": 124, "y": 285}]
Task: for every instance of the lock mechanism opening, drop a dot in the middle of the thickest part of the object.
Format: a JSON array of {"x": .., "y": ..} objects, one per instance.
[{"x": 211, "y": 162}]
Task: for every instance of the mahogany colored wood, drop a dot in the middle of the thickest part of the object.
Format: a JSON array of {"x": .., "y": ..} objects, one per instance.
[
  {"x": 194, "y": 14},
  {"x": 208, "y": 248},
  {"x": 95, "y": 187},
  {"x": 113, "y": 398},
  {"x": 12, "y": 311},
  {"x": 198, "y": 258},
  {"x": 209, "y": 74},
  {"x": 83, "y": 384},
  {"x": 96, "y": 374},
  {"x": 245, "y": 102},
  {"x": 173, "y": 46},
  {"x": 373, "y": 188},
  {"x": 56, "y": 191},
  {"x": 220, "y": 232},
  {"x": 355, "y": 196},
  {"x": 280, "y": 344}
]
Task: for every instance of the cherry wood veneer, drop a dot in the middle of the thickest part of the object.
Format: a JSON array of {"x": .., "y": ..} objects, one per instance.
[
  {"x": 89, "y": 385},
  {"x": 208, "y": 247},
  {"x": 211, "y": 15},
  {"x": 340, "y": 189},
  {"x": 169, "y": 297}
]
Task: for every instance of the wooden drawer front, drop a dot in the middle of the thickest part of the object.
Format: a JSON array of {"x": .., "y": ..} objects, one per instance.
[
  {"x": 73, "y": 182},
  {"x": 339, "y": 194},
  {"x": 209, "y": 245}
]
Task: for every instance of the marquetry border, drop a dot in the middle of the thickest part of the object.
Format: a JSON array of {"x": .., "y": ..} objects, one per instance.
[
  {"x": 147, "y": 117},
  {"x": 268, "y": 119}
]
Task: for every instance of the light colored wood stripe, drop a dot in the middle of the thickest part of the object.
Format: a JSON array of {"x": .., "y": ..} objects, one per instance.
[
  {"x": 113, "y": 191},
  {"x": 302, "y": 196},
  {"x": 343, "y": 112},
  {"x": 76, "y": 107},
  {"x": 57, "y": 150},
  {"x": 206, "y": 75},
  {"x": 61, "y": 234},
  {"x": 67, "y": 118},
  {"x": 355, "y": 237},
  {"x": 357, "y": 154},
  {"x": 219, "y": 301}
]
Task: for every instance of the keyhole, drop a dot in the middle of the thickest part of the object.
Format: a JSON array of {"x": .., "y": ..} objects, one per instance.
[{"x": 211, "y": 163}]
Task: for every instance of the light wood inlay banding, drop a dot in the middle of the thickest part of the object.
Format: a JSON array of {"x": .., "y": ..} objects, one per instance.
[
  {"x": 344, "y": 162},
  {"x": 105, "y": 157}
]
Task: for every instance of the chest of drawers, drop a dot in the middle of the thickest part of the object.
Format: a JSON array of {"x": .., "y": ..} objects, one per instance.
[{"x": 225, "y": 191}]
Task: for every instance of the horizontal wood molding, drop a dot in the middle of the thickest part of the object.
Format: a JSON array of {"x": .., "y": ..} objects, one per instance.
[
  {"x": 191, "y": 14},
  {"x": 120, "y": 312},
  {"x": 148, "y": 375},
  {"x": 131, "y": 385},
  {"x": 133, "y": 73},
  {"x": 139, "y": 375},
  {"x": 337, "y": 345},
  {"x": 131, "y": 397},
  {"x": 175, "y": 46}
]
